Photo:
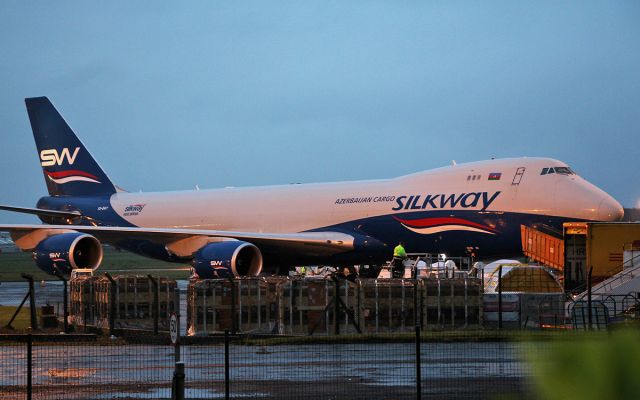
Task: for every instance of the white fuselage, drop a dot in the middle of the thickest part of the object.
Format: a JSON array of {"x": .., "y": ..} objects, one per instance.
[{"x": 301, "y": 207}]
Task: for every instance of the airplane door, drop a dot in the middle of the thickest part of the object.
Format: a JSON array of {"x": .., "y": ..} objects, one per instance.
[{"x": 518, "y": 176}]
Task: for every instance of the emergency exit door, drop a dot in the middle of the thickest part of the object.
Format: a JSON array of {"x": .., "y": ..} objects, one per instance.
[{"x": 518, "y": 176}]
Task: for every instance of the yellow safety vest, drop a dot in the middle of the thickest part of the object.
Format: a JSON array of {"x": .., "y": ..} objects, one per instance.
[{"x": 399, "y": 252}]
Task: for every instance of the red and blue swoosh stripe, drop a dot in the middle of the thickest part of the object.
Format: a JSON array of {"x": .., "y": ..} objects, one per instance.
[
  {"x": 428, "y": 226},
  {"x": 72, "y": 175}
]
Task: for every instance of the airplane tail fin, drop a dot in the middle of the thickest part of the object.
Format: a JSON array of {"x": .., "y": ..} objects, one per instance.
[{"x": 68, "y": 167}]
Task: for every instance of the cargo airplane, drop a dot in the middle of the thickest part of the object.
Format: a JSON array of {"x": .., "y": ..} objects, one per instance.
[{"x": 248, "y": 231}]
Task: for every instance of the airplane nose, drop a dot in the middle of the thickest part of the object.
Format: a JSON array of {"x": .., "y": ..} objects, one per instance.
[{"x": 610, "y": 210}]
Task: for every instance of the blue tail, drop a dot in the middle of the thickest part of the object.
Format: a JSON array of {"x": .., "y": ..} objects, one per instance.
[{"x": 68, "y": 167}]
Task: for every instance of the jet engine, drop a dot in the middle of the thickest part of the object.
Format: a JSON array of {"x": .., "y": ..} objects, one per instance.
[
  {"x": 66, "y": 251},
  {"x": 227, "y": 259}
]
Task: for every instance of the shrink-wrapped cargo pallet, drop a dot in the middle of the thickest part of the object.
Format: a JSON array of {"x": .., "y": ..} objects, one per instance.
[
  {"x": 82, "y": 305},
  {"x": 239, "y": 305},
  {"x": 134, "y": 301},
  {"x": 451, "y": 303},
  {"x": 307, "y": 306},
  {"x": 390, "y": 305}
]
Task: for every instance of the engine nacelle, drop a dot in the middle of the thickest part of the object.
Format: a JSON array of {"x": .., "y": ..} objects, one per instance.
[
  {"x": 66, "y": 251},
  {"x": 227, "y": 259}
]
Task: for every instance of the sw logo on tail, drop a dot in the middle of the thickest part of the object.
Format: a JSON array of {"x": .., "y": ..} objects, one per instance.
[{"x": 50, "y": 157}]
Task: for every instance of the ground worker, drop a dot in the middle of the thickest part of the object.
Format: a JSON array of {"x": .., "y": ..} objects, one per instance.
[{"x": 397, "y": 265}]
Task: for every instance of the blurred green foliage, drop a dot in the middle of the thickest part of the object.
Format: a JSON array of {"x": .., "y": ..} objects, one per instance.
[
  {"x": 22, "y": 321},
  {"x": 590, "y": 367}
]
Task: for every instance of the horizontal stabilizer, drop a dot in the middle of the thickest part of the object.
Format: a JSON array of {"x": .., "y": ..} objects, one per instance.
[{"x": 41, "y": 212}]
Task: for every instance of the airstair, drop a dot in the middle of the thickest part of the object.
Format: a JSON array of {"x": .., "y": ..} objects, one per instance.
[{"x": 617, "y": 294}]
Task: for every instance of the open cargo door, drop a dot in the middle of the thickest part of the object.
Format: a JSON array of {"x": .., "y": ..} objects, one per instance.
[{"x": 543, "y": 247}]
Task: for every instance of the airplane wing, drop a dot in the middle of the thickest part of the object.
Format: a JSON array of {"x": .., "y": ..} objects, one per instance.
[{"x": 184, "y": 242}]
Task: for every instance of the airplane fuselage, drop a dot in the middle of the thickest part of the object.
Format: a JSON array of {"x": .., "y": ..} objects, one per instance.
[{"x": 480, "y": 205}]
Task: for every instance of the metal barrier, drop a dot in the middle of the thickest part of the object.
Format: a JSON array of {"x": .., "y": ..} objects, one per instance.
[
  {"x": 603, "y": 311},
  {"x": 585, "y": 318}
]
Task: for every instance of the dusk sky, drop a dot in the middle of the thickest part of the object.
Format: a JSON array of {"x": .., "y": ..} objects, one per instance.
[{"x": 169, "y": 95}]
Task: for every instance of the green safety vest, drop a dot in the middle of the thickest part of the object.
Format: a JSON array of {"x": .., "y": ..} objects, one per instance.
[{"x": 399, "y": 252}]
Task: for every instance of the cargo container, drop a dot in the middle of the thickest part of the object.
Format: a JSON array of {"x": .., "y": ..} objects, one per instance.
[
  {"x": 390, "y": 305},
  {"x": 597, "y": 245},
  {"x": 82, "y": 310},
  {"x": 632, "y": 254},
  {"x": 134, "y": 299},
  {"x": 525, "y": 310},
  {"x": 306, "y": 306},
  {"x": 240, "y": 305},
  {"x": 449, "y": 303}
]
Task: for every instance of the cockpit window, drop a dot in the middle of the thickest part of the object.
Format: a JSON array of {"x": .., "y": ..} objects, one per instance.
[
  {"x": 564, "y": 171},
  {"x": 557, "y": 170}
]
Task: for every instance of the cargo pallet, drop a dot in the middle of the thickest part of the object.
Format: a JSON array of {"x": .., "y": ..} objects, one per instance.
[
  {"x": 308, "y": 306},
  {"x": 91, "y": 301}
]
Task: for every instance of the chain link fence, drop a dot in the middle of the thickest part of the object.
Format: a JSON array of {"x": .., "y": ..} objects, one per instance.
[
  {"x": 431, "y": 366},
  {"x": 288, "y": 347}
]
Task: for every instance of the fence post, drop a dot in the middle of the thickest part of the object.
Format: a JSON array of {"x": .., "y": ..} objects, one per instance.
[
  {"x": 589, "y": 311},
  {"x": 416, "y": 314},
  {"x": 176, "y": 302},
  {"x": 500, "y": 297},
  {"x": 112, "y": 305},
  {"x": 178, "y": 378},
  {"x": 156, "y": 304},
  {"x": 65, "y": 301},
  {"x": 29, "y": 366},
  {"x": 234, "y": 299},
  {"x": 226, "y": 364},
  {"x": 65, "y": 308},
  {"x": 32, "y": 301},
  {"x": 418, "y": 365},
  {"x": 177, "y": 383},
  {"x": 336, "y": 306}
]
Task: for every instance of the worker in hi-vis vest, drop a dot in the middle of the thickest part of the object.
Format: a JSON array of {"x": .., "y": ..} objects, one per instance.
[{"x": 397, "y": 265}]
